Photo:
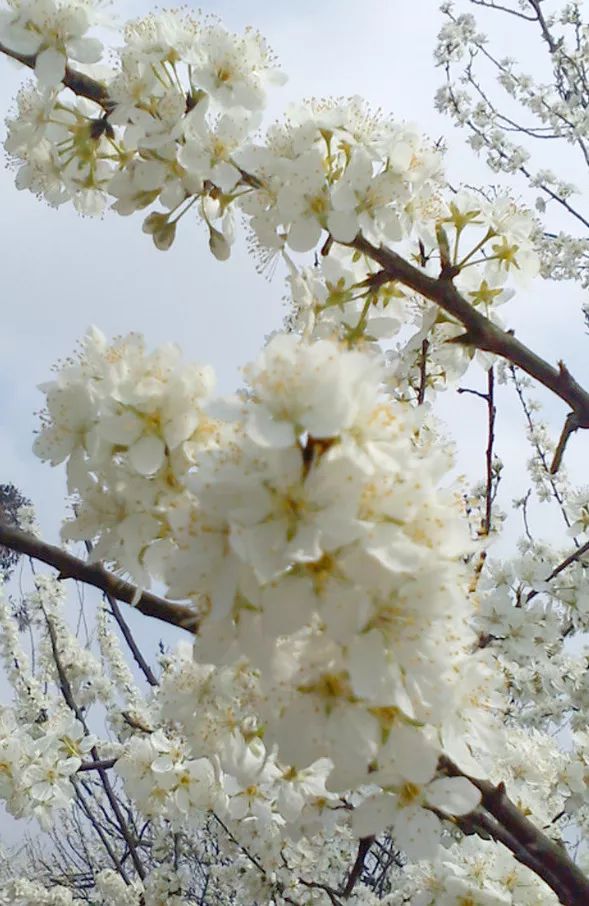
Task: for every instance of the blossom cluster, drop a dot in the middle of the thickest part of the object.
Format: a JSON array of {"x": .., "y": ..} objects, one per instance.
[
  {"x": 315, "y": 542},
  {"x": 121, "y": 417}
]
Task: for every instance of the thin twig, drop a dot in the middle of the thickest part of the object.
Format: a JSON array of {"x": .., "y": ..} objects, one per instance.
[
  {"x": 491, "y": 415},
  {"x": 422, "y": 372},
  {"x": 540, "y": 452},
  {"x": 572, "y": 558},
  {"x": 480, "y": 332},
  {"x": 66, "y": 691},
  {"x": 127, "y": 634},
  {"x": 102, "y": 836},
  {"x": 505, "y": 9}
]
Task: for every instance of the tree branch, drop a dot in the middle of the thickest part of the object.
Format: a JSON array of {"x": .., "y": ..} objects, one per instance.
[
  {"x": 71, "y": 567},
  {"x": 505, "y": 9},
  {"x": 491, "y": 415},
  {"x": 66, "y": 691},
  {"x": 80, "y": 84},
  {"x": 570, "y": 426},
  {"x": 364, "y": 845},
  {"x": 480, "y": 332},
  {"x": 126, "y": 632},
  {"x": 103, "y": 764},
  {"x": 529, "y": 845},
  {"x": 422, "y": 373},
  {"x": 572, "y": 558}
]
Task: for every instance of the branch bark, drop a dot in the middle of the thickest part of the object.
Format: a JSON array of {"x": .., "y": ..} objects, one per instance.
[
  {"x": 70, "y": 567},
  {"x": 480, "y": 332},
  {"x": 530, "y": 846},
  {"x": 80, "y": 84}
]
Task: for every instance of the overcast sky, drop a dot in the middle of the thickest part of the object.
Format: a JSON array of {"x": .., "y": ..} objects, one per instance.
[{"x": 61, "y": 273}]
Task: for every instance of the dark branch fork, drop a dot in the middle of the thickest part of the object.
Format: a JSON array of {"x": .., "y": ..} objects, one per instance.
[
  {"x": 502, "y": 819},
  {"x": 480, "y": 332}
]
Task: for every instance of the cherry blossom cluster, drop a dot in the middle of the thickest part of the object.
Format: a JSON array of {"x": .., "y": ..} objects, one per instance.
[
  {"x": 478, "y": 873},
  {"x": 314, "y": 542},
  {"x": 36, "y": 768},
  {"x": 55, "y": 31},
  {"x": 121, "y": 417},
  {"x": 42, "y": 744},
  {"x": 179, "y": 126}
]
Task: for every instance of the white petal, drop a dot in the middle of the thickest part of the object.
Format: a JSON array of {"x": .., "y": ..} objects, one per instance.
[
  {"x": 373, "y": 815},
  {"x": 417, "y": 831},
  {"x": 343, "y": 198},
  {"x": 85, "y": 50},
  {"x": 267, "y": 432},
  {"x": 304, "y": 234},
  {"x": 147, "y": 454},
  {"x": 17, "y": 37},
  {"x": 225, "y": 176},
  {"x": 453, "y": 795},
  {"x": 50, "y": 67},
  {"x": 123, "y": 429},
  {"x": 343, "y": 225},
  {"x": 414, "y": 757}
]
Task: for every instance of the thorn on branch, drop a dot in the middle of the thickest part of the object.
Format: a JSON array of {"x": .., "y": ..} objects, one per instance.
[
  {"x": 464, "y": 339},
  {"x": 570, "y": 426}
]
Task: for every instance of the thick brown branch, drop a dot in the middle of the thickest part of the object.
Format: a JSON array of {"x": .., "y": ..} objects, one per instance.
[
  {"x": 80, "y": 84},
  {"x": 70, "y": 567},
  {"x": 529, "y": 845},
  {"x": 480, "y": 332},
  {"x": 358, "y": 867}
]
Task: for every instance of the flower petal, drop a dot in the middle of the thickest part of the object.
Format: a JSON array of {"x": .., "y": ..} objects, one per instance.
[{"x": 147, "y": 454}]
